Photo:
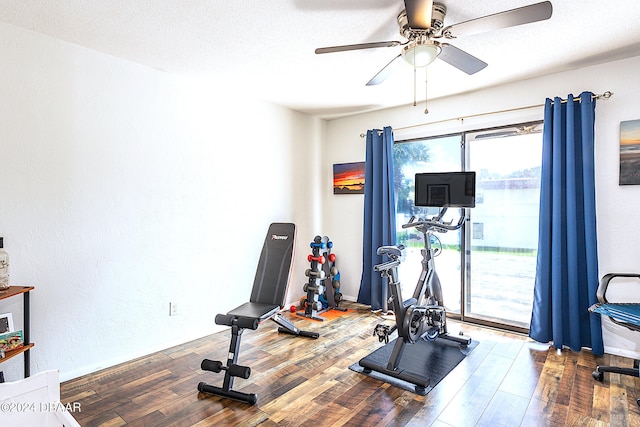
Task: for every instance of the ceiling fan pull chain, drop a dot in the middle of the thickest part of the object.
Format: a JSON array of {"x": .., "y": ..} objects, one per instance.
[
  {"x": 426, "y": 92},
  {"x": 414, "y": 78}
]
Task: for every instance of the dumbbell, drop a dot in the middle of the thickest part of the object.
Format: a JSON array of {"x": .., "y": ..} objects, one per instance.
[
  {"x": 317, "y": 274},
  {"x": 320, "y": 259}
]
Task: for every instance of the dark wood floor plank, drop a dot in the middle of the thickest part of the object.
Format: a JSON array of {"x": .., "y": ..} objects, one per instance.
[
  {"x": 101, "y": 419},
  {"x": 566, "y": 386},
  {"x": 506, "y": 380},
  {"x": 601, "y": 402},
  {"x": 582, "y": 396},
  {"x": 152, "y": 401},
  {"x": 634, "y": 419},
  {"x": 618, "y": 405},
  {"x": 326, "y": 415},
  {"x": 154, "y": 418}
]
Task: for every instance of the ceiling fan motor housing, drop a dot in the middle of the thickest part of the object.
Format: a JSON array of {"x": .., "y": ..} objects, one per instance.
[{"x": 437, "y": 22}]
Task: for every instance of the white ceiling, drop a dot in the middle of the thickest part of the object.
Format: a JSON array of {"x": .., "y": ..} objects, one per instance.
[{"x": 267, "y": 47}]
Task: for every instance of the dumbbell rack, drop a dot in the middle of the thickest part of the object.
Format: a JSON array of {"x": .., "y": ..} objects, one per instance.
[{"x": 322, "y": 270}]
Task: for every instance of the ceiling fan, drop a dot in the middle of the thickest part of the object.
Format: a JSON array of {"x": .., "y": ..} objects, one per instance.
[{"x": 422, "y": 24}]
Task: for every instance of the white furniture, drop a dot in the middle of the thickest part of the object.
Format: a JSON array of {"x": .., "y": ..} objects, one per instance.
[{"x": 35, "y": 402}]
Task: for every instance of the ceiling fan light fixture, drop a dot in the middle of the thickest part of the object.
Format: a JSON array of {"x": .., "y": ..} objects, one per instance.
[{"x": 421, "y": 54}]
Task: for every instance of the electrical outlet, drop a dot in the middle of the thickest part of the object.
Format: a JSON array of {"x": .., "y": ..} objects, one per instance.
[{"x": 173, "y": 309}]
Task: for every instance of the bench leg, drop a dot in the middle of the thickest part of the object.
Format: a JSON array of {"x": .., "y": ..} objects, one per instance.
[
  {"x": 288, "y": 328},
  {"x": 231, "y": 370}
]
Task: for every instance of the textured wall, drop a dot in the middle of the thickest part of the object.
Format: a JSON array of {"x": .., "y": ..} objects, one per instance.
[{"x": 123, "y": 188}]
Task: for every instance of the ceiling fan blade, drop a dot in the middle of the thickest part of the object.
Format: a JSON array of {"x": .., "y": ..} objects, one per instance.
[
  {"x": 385, "y": 72},
  {"x": 509, "y": 18},
  {"x": 460, "y": 59},
  {"x": 419, "y": 13},
  {"x": 346, "y": 47}
]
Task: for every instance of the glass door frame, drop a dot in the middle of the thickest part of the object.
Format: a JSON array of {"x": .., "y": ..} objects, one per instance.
[{"x": 465, "y": 231}]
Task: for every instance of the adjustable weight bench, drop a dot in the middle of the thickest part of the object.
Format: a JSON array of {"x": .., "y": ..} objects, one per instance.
[
  {"x": 267, "y": 299},
  {"x": 624, "y": 314}
]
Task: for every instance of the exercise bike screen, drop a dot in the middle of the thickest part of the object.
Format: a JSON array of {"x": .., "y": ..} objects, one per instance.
[{"x": 446, "y": 189}]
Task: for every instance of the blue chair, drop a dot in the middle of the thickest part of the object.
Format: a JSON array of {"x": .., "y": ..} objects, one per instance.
[{"x": 627, "y": 315}]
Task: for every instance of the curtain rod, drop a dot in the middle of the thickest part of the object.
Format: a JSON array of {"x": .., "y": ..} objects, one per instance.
[{"x": 605, "y": 95}]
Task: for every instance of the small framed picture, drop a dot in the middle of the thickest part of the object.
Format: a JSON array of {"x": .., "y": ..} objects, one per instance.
[
  {"x": 348, "y": 178},
  {"x": 6, "y": 323}
]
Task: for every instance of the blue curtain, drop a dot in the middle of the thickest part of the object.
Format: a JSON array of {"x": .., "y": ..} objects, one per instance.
[
  {"x": 379, "y": 215},
  {"x": 567, "y": 263}
]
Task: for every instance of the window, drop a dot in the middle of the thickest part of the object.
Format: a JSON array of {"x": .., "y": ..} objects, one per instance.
[
  {"x": 493, "y": 281},
  {"x": 442, "y": 154}
]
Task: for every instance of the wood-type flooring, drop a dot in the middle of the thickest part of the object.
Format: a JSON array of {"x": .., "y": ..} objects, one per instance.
[{"x": 507, "y": 380}]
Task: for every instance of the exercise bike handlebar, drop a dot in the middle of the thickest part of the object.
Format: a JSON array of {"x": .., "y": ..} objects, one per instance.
[{"x": 436, "y": 224}]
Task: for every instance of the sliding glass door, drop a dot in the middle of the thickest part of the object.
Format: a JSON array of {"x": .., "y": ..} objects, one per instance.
[
  {"x": 504, "y": 224},
  {"x": 440, "y": 154},
  {"x": 493, "y": 281}
]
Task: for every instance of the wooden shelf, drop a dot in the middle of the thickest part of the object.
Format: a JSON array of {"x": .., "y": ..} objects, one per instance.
[
  {"x": 14, "y": 290},
  {"x": 24, "y": 350},
  {"x": 9, "y": 354}
]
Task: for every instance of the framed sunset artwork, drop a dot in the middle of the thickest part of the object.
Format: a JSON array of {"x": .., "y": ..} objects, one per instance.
[
  {"x": 630, "y": 152},
  {"x": 348, "y": 178}
]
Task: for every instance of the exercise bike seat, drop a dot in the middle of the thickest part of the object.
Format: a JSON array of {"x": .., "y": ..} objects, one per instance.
[{"x": 391, "y": 251}]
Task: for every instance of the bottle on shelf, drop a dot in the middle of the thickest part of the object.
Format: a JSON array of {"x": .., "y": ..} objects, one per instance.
[{"x": 4, "y": 267}]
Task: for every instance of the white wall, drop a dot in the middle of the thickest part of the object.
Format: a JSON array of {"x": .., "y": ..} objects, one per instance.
[
  {"x": 618, "y": 206},
  {"x": 123, "y": 188}
]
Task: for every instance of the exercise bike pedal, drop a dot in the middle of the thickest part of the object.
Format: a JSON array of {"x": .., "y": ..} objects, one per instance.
[{"x": 383, "y": 332}]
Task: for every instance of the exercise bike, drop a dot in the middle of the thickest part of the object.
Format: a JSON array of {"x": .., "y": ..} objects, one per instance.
[
  {"x": 421, "y": 318},
  {"x": 423, "y": 315}
]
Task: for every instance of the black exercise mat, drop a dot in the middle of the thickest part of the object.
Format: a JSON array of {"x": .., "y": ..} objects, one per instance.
[{"x": 431, "y": 360}]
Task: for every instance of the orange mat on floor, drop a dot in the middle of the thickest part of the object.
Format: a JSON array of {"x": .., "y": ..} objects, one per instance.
[
  {"x": 334, "y": 314},
  {"x": 327, "y": 315}
]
